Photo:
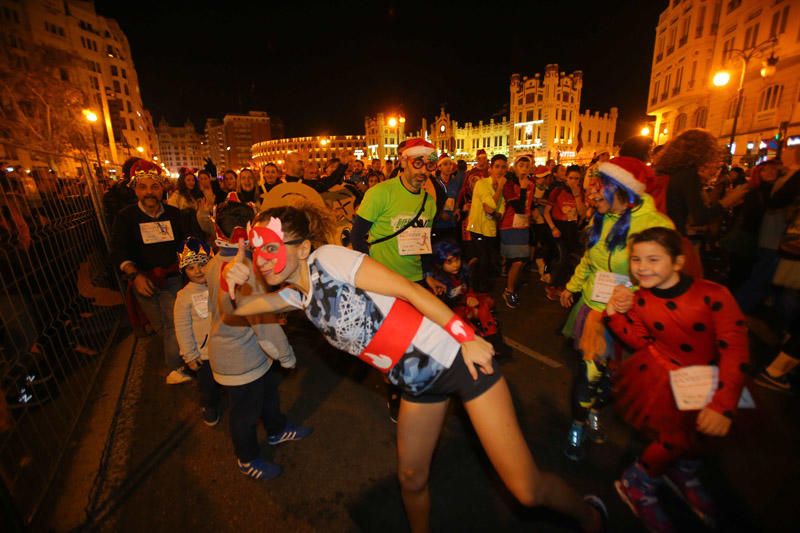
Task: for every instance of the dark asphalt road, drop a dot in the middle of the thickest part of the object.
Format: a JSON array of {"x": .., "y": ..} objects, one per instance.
[{"x": 182, "y": 475}]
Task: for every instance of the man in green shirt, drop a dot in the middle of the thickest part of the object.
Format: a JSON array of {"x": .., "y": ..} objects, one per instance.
[{"x": 400, "y": 204}]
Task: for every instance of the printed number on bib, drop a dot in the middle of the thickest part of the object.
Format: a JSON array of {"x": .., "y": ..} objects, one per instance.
[
  {"x": 604, "y": 283},
  {"x": 155, "y": 232},
  {"x": 200, "y": 304},
  {"x": 414, "y": 241},
  {"x": 520, "y": 221},
  {"x": 693, "y": 387}
]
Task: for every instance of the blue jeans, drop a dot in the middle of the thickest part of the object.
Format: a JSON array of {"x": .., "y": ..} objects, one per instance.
[
  {"x": 758, "y": 287},
  {"x": 249, "y": 403},
  {"x": 158, "y": 309}
]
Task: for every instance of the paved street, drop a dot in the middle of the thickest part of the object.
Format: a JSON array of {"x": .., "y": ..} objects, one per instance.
[{"x": 180, "y": 475}]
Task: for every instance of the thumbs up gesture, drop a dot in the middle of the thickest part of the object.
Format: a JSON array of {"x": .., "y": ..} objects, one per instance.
[{"x": 237, "y": 272}]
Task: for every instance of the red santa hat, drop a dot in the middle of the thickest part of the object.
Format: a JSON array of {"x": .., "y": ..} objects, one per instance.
[
  {"x": 541, "y": 171},
  {"x": 416, "y": 147},
  {"x": 627, "y": 171}
]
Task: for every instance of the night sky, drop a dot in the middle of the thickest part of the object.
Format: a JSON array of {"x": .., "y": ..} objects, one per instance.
[{"x": 323, "y": 67}]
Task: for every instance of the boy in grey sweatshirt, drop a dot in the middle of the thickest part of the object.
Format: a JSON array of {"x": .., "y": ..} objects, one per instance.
[{"x": 241, "y": 351}]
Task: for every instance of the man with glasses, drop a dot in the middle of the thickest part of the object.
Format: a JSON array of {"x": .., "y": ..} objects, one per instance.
[{"x": 393, "y": 222}]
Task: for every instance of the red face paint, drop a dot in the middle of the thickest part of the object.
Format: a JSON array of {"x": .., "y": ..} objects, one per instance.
[{"x": 261, "y": 237}]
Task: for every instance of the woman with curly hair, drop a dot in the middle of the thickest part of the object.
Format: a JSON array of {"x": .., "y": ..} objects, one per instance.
[{"x": 689, "y": 161}]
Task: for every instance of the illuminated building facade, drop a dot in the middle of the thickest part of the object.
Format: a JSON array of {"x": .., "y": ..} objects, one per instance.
[
  {"x": 180, "y": 146},
  {"x": 383, "y": 133},
  {"x": 546, "y": 118},
  {"x": 319, "y": 149},
  {"x": 94, "y": 56},
  {"x": 697, "y": 41}
]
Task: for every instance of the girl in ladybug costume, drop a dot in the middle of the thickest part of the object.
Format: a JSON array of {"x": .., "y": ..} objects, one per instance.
[
  {"x": 408, "y": 334},
  {"x": 672, "y": 322}
]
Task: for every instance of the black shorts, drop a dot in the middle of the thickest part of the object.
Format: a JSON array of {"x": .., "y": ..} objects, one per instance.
[{"x": 456, "y": 381}]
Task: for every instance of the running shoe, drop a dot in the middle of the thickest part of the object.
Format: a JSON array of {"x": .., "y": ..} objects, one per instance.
[
  {"x": 259, "y": 469},
  {"x": 682, "y": 479},
  {"x": 778, "y": 383},
  {"x": 180, "y": 375},
  {"x": 289, "y": 433},
  {"x": 594, "y": 432},
  {"x": 211, "y": 416},
  {"x": 511, "y": 299},
  {"x": 574, "y": 448},
  {"x": 638, "y": 490}
]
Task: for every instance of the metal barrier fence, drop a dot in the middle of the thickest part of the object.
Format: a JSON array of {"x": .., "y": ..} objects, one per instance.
[{"x": 60, "y": 307}]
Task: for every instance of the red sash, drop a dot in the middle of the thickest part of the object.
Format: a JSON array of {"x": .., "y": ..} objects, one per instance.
[{"x": 391, "y": 341}]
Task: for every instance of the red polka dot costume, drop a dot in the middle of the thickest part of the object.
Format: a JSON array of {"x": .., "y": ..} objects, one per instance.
[{"x": 696, "y": 322}]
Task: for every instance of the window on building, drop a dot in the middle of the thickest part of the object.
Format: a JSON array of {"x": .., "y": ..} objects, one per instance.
[
  {"x": 680, "y": 123},
  {"x": 114, "y": 70},
  {"x": 733, "y": 4},
  {"x": 589, "y": 136},
  {"x": 751, "y": 36},
  {"x": 563, "y": 114},
  {"x": 598, "y": 137},
  {"x": 732, "y": 107},
  {"x": 673, "y": 33},
  {"x": 124, "y": 74},
  {"x": 529, "y": 98},
  {"x": 539, "y": 97},
  {"x": 506, "y": 140},
  {"x": 698, "y": 30},
  {"x": 667, "y": 80},
  {"x": 607, "y": 138},
  {"x": 656, "y": 86},
  {"x": 727, "y": 46},
  {"x": 570, "y": 116},
  {"x": 700, "y": 117},
  {"x": 693, "y": 74},
  {"x": 529, "y": 116},
  {"x": 779, "y": 19},
  {"x": 64, "y": 74},
  {"x": 660, "y": 48},
  {"x": 715, "y": 18},
  {"x": 678, "y": 81},
  {"x": 127, "y": 93},
  {"x": 129, "y": 106},
  {"x": 770, "y": 98},
  {"x": 687, "y": 24},
  {"x": 539, "y": 114},
  {"x": 520, "y": 117},
  {"x": 117, "y": 87},
  {"x": 562, "y": 133}
]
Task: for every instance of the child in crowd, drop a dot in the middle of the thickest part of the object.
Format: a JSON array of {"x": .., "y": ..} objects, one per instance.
[
  {"x": 673, "y": 322},
  {"x": 476, "y": 308},
  {"x": 192, "y": 325},
  {"x": 241, "y": 351}
]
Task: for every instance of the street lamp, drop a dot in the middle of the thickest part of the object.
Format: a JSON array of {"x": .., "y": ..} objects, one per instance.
[
  {"x": 91, "y": 118},
  {"x": 722, "y": 78},
  {"x": 392, "y": 122},
  {"x": 140, "y": 149},
  {"x": 645, "y": 131}
]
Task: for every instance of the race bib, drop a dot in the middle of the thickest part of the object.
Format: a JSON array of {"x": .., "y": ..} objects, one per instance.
[
  {"x": 414, "y": 241},
  {"x": 520, "y": 221},
  {"x": 604, "y": 283},
  {"x": 693, "y": 387},
  {"x": 450, "y": 204},
  {"x": 200, "y": 304},
  {"x": 155, "y": 232}
]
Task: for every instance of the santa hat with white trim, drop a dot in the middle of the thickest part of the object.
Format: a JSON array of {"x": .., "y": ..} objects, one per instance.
[
  {"x": 626, "y": 171},
  {"x": 416, "y": 147}
]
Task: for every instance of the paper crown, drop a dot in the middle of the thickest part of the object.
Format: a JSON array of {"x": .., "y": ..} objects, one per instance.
[{"x": 195, "y": 252}]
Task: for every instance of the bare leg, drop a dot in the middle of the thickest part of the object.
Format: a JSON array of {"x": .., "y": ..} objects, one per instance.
[
  {"x": 418, "y": 431},
  {"x": 493, "y": 417},
  {"x": 513, "y": 275}
]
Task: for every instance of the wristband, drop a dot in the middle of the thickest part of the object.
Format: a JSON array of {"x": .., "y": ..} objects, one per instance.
[{"x": 460, "y": 330}]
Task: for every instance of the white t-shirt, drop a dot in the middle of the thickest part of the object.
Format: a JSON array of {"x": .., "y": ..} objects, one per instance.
[{"x": 349, "y": 317}]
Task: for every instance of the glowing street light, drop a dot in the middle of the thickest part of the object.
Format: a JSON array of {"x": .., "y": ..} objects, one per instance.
[
  {"x": 323, "y": 142},
  {"x": 140, "y": 149},
  {"x": 721, "y": 78},
  {"x": 392, "y": 122},
  {"x": 90, "y": 115},
  {"x": 91, "y": 118},
  {"x": 645, "y": 131},
  {"x": 402, "y": 120}
]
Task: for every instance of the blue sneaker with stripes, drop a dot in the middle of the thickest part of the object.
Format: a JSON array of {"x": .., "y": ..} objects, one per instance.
[
  {"x": 290, "y": 432},
  {"x": 259, "y": 469}
]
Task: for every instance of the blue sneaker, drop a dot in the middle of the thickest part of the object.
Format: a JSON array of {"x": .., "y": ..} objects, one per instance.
[
  {"x": 574, "y": 448},
  {"x": 259, "y": 469},
  {"x": 638, "y": 491},
  {"x": 290, "y": 432}
]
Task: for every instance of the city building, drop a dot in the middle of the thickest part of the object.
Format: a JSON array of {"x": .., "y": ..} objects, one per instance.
[
  {"x": 704, "y": 49},
  {"x": 547, "y": 122},
  {"x": 383, "y": 134},
  {"x": 180, "y": 146},
  {"x": 465, "y": 140},
  {"x": 90, "y": 53},
  {"x": 229, "y": 141},
  {"x": 318, "y": 149}
]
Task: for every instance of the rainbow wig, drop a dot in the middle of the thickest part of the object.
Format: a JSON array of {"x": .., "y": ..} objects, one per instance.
[{"x": 618, "y": 236}]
